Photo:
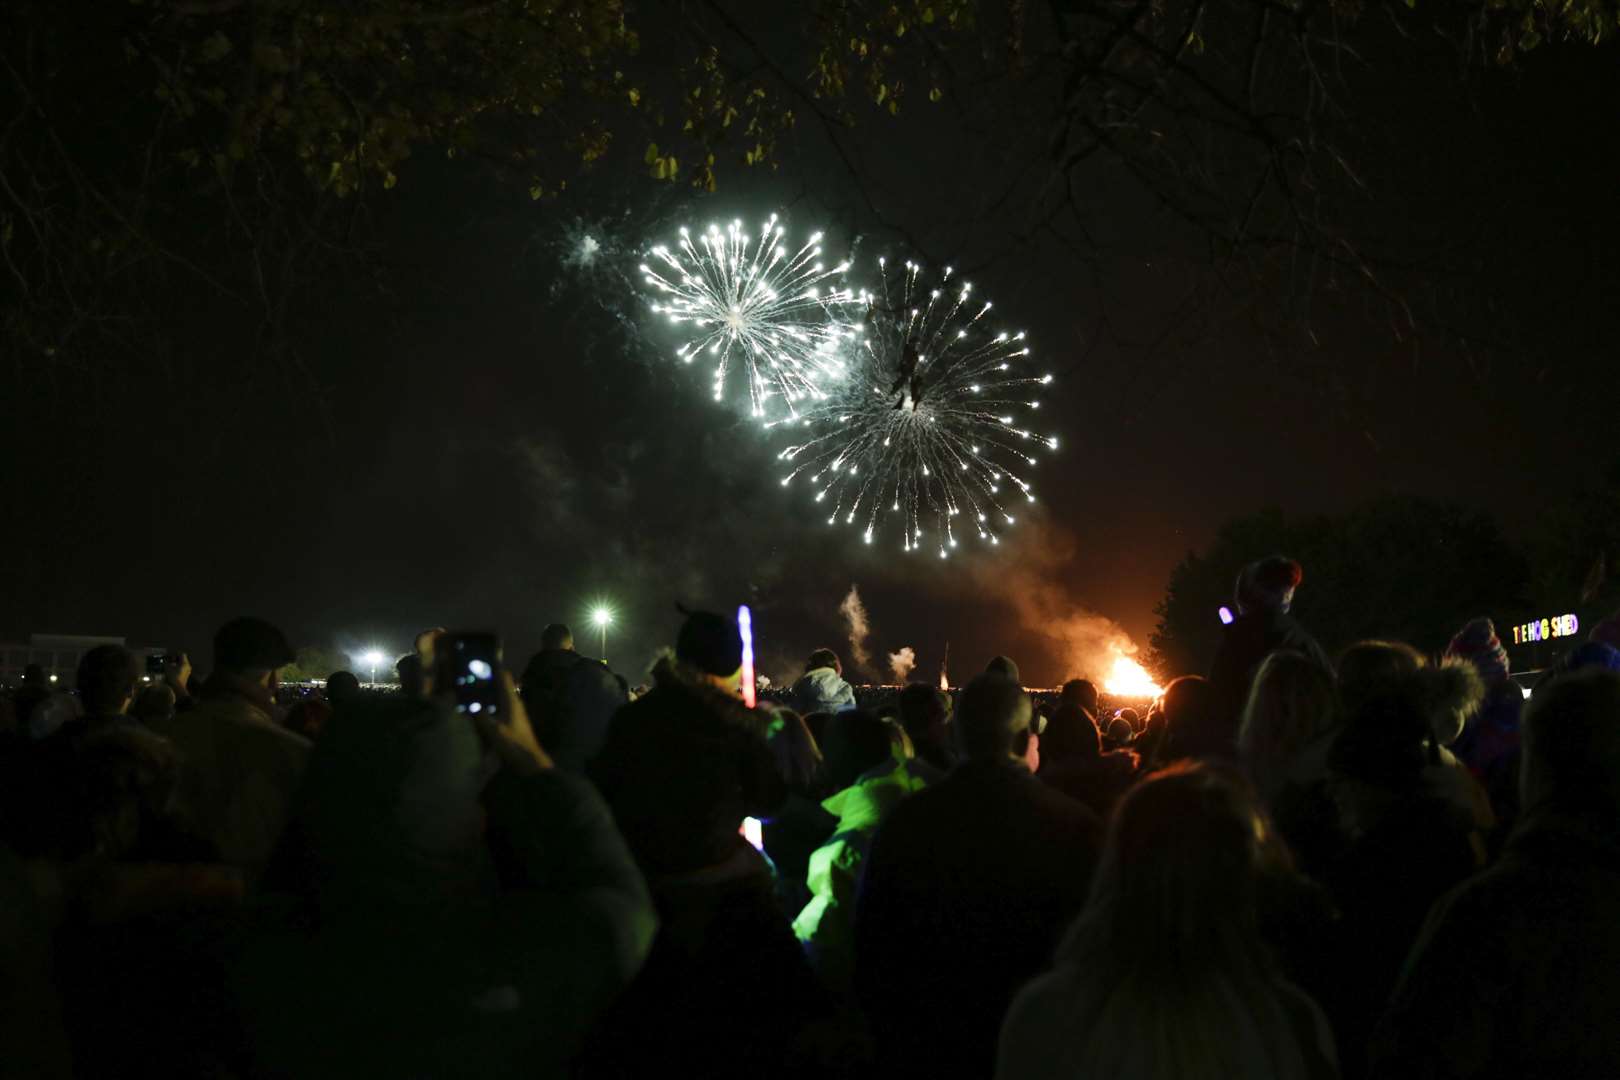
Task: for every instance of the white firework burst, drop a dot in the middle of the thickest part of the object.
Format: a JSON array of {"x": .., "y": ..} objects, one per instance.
[
  {"x": 749, "y": 299},
  {"x": 932, "y": 425}
]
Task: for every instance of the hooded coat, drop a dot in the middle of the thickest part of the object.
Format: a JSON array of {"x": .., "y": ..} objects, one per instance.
[
  {"x": 826, "y": 926},
  {"x": 821, "y": 689},
  {"x": 570, "y": 699}
]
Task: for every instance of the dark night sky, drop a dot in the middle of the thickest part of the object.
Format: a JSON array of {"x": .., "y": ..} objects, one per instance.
[{"x": 507, "y": 445}]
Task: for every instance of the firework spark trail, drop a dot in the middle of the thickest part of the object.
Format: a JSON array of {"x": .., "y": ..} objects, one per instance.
[
  {"x": 926, "y": 423},
  {"x": 747, "y": 295}
]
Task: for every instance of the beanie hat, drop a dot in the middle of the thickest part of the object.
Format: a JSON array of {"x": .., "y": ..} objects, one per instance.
[
  {"x": 710, "y": 643},
  {"x": 1478, "y": 644},
  {"x": 1269, "y": 584},
  {"x": 1607, "y": 631},
  {"x": 1003, "y": 666}
]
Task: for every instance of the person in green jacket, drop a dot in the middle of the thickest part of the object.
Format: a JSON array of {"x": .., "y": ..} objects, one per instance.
[{"x": 861, "y": 754}]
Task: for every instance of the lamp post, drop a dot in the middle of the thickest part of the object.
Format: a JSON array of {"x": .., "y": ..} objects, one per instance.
[
  {"x": 602, "y": 618},
  {"x": 373, "y": 659}
]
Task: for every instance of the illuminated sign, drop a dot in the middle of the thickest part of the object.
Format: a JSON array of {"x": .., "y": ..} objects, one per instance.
[{"x": 1549, "y": 629}]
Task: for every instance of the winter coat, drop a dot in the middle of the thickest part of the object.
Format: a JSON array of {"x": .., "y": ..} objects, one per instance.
[
  {"x": 1402, "y": 854},
  {"x": 239, "y": 773},
  {"x": 827, "y": 923},
  {"x": 570, "y": 700},
  {"x": 681, "y": 768},
  {"x": 1097, "y": 782},
  {"x": 1516, "y": 973},
  {"x": 419, "y": 958},
  {"x": 1251, "y": 638},
  {"x": 967, "y": 888},
  {"x": 1054, "y": 1017},
  {"x": 821, "y": 690}
]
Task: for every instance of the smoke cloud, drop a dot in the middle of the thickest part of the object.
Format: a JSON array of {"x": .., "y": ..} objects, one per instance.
[
  {"x": 901, "y": 663},
  {"x": 1030, "y": 573},
  {"x": 854, "y": 613}
]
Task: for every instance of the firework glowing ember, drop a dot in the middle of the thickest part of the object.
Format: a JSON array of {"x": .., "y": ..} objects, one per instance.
[
  {"x": 927, "y": 425},
  {"x": 1129, "y": 679},
  {"x": 747, "y": 298}
]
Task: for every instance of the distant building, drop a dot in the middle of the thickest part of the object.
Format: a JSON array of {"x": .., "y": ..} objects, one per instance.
[{"x": 59, "y": 655}]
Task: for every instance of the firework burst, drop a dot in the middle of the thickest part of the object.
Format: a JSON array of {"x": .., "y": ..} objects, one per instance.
[
  {"x": 930, "y": 424},
  {"x": 749, "y": 299}
]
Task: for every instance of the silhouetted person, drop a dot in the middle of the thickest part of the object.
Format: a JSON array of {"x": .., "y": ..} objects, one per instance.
[
  {"x": 1516, "y": 972},
  {"x": 154, "y": 704},
  {"x": 241, "y": 768},
  {"x": 1263, "y": 596},
  {"x": 411, "y": 678},
  {"x": 1073, "y": 762},
  {"x": 342, "y": 688},
  {"x": 1003, "y": 666},
  {"x": 822, "y": 689},
  {"x": 925, "y": 714},
  {"x": 966, "y": 889},
  {"x": 106, "y": 681},
  {"x": 570, "y": 699},
  {"x": 1165, "y": 973}
]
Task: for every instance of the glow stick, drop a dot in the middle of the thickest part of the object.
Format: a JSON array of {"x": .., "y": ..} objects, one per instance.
[{"x": 745, "y": 625}]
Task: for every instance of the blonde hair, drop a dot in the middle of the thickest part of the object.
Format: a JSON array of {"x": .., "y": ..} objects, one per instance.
[{"x": 1291, "y": 702}]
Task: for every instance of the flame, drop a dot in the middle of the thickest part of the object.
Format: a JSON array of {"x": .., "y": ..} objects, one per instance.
[{"x": 1130, "y": 679}]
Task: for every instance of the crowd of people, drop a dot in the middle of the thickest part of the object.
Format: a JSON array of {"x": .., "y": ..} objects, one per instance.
[{"x": 1376, "y": 864}]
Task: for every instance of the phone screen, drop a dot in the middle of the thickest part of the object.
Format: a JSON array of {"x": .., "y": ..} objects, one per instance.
[{"x": 474, "y": 659}]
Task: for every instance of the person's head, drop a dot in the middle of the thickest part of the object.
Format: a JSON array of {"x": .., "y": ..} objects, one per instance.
[
  {"x": 1291, "y": 702},
  {"x": 250, "y": 651},
  {"x": 1070, "y": 734},
  {"x": 1004, "y": 667},
  {"x": 106, "y": 680},
  {"x": 557, "y": 637},
  {"x": 924, "y": 711},
  {"x": 709, "y": 648},
  {"x": 1081, "y": 692},
  {"x": 824, "y": 658},
  {"x": 1176, "y": 883},
  {"x": 857, "y": 741},
  {"x": 154, "y": 703},
  {"x": 342, "y": 686},
  {"x": 1477, "y": 643},
  {"x": 1120, "y": 733},
  {"x": 412, "y": 677},
  {"x": 1191, "y": 718},
  {"x": 1367, "y": 667},
  {"x": 798, "y": 756},
  {"x": 1572, "y": 745},
  {"x": 994, "y": 721},
  {"x": 1396, "y": 716},
  {"x": 1267, "y": 585},
  {"x": 1133, "y": 718}
]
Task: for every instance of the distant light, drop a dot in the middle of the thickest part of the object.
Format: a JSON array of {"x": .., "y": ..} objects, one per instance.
[
  {"x": 602, "y": 617},
  {"x": 53, "y": 678},
  {"x": 1226, "y": 615},
  {"x": 374, "y": 658},
  {"x": 1525, "y": 690}
]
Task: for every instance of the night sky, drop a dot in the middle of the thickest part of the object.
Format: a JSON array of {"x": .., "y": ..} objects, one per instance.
[{"x": 488, "y": 434}]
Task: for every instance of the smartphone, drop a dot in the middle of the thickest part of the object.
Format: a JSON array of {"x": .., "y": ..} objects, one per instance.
[
  {"x": 474, "y": 660},
  {"x": 154, "y": 664}
]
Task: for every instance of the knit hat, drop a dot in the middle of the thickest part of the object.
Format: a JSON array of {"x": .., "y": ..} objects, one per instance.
[
  {"x": 1003, "y": 666},
  {"x": 1268, "y": 585},
  {"x": 1607, "y": 631},
  {"x": 710, "y": 643},
  {"x": 1478, "y": 644}
]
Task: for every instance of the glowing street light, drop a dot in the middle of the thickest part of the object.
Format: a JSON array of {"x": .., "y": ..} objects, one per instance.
[
  {"x": 374, "y": 659},
  {"x": 602, "y": 618}
]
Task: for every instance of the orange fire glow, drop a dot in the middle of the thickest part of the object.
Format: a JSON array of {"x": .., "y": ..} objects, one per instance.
[{"x": 1127, "y": 678}]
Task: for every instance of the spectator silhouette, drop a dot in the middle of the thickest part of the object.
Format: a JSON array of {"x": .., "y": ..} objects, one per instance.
[
  {"x": 570, "y": 699},
  {"x": 967, "y": 887},
  {"x": 822, "y": 687},
  {"x": 1165, "y": 973},
  {"x": 1263, "y": 596}
]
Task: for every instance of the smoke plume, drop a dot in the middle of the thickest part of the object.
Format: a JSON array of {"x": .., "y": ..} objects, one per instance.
[
  {"x": 1030, "y": 573},
  {"x": 901, "y": 663},
  {"x": 854, "y": 613}
]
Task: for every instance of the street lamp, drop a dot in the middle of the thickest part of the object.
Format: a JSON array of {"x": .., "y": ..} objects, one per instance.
[
  {"x": 602, "y": 618},
  {"x": 374, "y": 659}
]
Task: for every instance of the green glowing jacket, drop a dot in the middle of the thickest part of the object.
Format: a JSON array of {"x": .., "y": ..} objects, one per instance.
[{"x": 826, "y": 925}]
